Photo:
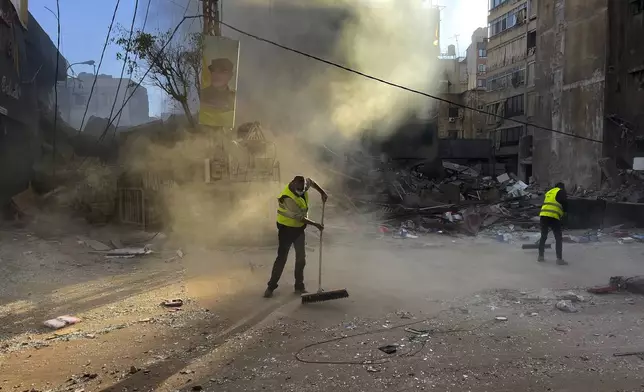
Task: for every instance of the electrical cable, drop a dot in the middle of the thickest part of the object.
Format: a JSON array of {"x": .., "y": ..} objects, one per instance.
[
  {"x": 345, "y": 68},
  {"x": 381, "y": 360},
  {"x": 54, "y": 144},
  {"x": 145, "y": 22},
  {"x": 100, "y": 62},
  {"x": 138, "y": 84},
  {"x": 125, "y": 59}
]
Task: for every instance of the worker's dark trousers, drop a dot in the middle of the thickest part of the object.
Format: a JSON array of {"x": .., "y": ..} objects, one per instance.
[
  {"x": 288, "y": 236},
  {"x": 554, "y": 224}
]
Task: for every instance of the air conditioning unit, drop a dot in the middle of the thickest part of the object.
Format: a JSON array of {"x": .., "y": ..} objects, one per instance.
[{"x": 452, "y": 119}]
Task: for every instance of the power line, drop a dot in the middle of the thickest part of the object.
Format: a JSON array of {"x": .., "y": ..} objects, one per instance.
[
  {"x": 345, "y": 68},
  {"x": 100, "y": 62},
  {"x": 54, "y": 144},
  {"x": 138, "y": 84},
  {"x": 125, "y": 59},
  {"x": 145, "y": 22}
]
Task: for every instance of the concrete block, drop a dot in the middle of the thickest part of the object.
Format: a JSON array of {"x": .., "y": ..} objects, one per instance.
[{"x": 638, "y": 163}]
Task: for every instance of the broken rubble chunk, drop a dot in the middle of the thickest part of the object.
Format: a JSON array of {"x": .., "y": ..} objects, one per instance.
[{"x": 566, "y": 306}]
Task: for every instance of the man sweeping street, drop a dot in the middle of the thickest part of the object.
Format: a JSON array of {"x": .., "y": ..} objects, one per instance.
[
  {"x": 555, "y": 204},
  {"x": 292, "y": 218}
]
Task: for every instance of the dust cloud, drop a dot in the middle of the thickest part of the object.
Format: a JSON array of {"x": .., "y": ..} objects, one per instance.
[{"x": 301, "y": 103}]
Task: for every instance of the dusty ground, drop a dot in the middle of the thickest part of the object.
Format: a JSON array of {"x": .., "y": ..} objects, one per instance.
[{"x": 228, "y": 338}]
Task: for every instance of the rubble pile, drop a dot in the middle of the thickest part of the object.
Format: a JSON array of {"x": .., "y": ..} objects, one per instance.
[
  {"x": 458, "y": 200},
  {"x": 629, "y": 188}
]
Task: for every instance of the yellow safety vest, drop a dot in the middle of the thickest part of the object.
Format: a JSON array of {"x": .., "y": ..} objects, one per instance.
[
  {"x": 284, "y": 216},
  {"x": 551, "y": 207}
]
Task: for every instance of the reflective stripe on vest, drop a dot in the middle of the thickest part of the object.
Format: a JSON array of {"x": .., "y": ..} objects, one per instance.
[
  {"x": 284, "y": 216},
  {"x": 551, "y": 207}
]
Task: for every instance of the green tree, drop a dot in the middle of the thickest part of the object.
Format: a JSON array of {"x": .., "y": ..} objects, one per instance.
[{"x": 172, "y": 64}]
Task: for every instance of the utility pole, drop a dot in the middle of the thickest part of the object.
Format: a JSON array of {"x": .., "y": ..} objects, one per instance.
[{"x": 211, "y": 17}]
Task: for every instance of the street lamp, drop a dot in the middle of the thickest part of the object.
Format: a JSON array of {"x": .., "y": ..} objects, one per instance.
[{"x": 88, "y": 62}]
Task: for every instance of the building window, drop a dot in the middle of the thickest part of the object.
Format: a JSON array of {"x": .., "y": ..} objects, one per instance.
[
  {"x": 510, "y": 136},
  {"x": 532, "y": 42},
  {"x": 530, "y": 74},
  {"x": 637, "y": 7},
  {"x": 452, "y": 134},
  {"x": 517, "y": 78},
  {"x": 492, "y": 111},
  {"x": 514, "y": 106},
  {"x": 496, "y": 3},
  {"x": 482, "y": 53},
  {"x": 480, "y": 83},
  {"x": 452, "y": 112},
  {"x": 514, "y": 78},
  {"x": 508, "y": 20},
  {"x": 481, "y": 67}
]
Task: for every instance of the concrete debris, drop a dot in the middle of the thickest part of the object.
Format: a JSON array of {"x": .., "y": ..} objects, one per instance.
[
  {"x": 95, "y": 245},
  {"x": 128, "y": 252},
  {"x": 566, "y": 306},
  {"x": 460, "y": 199},
  {"x": 570, "y": 296}
]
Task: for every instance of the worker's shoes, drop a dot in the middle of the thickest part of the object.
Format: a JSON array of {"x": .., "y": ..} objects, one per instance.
[
  {"x": 268, "y": 293},
  {"x": 541, "y": 259},
  {"x": 300, "y": 291},
  {"x": 561, "y": 262}
]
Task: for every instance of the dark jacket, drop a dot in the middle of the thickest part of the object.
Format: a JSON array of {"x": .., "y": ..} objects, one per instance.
[{"x": 562, "y": 198}]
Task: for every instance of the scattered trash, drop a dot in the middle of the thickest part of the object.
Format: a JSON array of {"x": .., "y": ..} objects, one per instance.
[
  {"x": 172, "y": 303},
  {"x": 566, "y": 306},
  {"x": 134, "y": 370},
  {"x": 501, "y": 318},
  {"x": 626, "y": 240},
  {"x": 61, "y": 322},
  {"x": 389, "y": 349},
  {"x": 180, "y": 253}
]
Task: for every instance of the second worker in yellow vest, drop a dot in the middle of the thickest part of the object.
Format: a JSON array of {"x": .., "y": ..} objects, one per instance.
[
  {"x": 552, "y": 211},
  {"x": 292, "y": 219}
]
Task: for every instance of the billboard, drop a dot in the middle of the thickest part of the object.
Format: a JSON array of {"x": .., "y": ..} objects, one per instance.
[
  {"x": 22, "y": 10},
  {"x": 218, "y": 95}
]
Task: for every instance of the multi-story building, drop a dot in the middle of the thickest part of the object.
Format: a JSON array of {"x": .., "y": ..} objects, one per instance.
[
  {"x": 74, "y": 95},
  {"x": 476, "y": 56},
  {"x": 590, "y": 80},
  {"x": 511, "y": 50}
]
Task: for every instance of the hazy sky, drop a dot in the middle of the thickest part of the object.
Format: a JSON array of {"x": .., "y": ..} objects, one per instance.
[{"x": 84, "y": 25}]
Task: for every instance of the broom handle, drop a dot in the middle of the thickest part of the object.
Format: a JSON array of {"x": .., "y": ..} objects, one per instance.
[{"x": 320, "y": 252}]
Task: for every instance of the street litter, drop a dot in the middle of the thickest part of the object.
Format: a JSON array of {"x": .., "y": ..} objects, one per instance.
[
  {"x": 172, "y": 303},
  {"x": 389, "y": 349},
  {"x": 61, "y": 322},
  {"x": 501, "y": 318}
]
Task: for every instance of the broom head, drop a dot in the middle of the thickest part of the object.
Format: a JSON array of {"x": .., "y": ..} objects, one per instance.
[{"x": 324, "y": 296}]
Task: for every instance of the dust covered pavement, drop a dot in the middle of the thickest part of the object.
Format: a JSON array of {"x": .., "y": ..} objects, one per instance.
[{"x": 229, "y": 338}]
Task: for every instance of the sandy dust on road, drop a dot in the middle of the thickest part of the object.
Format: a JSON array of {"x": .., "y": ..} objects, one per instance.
[{"x": 226, "y": 337}]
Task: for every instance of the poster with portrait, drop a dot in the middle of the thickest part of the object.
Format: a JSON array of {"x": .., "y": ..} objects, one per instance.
[
  {"x": 22, "y": 9},
  {"x": 218, "y": 95}
]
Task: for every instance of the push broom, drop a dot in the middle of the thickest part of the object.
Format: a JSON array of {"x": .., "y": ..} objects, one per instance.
[{"x": 322, "y": 295}]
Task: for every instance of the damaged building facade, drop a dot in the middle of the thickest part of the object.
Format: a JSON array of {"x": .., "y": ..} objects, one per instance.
[
  {"x": 511, "y": 51},
  {"x": 27, "y": 73},
  {"x": 590, "y": 64},
  {"x": 74, "y": 98}
]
